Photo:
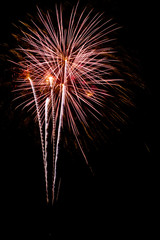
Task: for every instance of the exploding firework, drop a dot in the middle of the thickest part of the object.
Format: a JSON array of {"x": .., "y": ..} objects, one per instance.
[{"x": 65, "y": 70}]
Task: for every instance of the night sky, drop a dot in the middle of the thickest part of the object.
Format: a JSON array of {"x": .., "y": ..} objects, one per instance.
[{"x": 117, "y": 200}]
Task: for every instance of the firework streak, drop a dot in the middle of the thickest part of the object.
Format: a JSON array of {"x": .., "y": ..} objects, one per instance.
[
  {"x": 44, "y": 152},
  {"x": 68, "y": 68}
]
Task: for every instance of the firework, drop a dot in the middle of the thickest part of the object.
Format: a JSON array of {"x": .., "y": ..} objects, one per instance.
[{"x": 68, "y": 69}]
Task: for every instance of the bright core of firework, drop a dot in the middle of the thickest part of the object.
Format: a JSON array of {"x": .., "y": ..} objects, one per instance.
[
  {"x": 68, "y": 69},
  {"x": 82, "y": 48}
]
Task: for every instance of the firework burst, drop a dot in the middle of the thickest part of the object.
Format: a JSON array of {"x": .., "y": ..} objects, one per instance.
[{"x": 65, "y": 71}]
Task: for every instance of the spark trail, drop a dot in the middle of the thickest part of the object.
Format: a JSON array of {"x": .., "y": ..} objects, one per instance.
[
  {"x": 46, "y": 139},
  {"x": 53, "y": 136},
  {"x": 41, "y": 136},
  {"x": 60, "y": 126}
]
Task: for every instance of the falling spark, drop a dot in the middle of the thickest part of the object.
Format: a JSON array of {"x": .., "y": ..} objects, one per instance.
[{"x": 69, "y": 68}]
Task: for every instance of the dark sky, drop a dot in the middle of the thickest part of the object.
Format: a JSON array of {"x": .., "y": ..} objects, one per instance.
[{"x": 117, "y": 200}]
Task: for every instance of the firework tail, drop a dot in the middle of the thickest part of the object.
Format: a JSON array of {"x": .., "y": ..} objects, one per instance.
[
  {"x": 46, "y": 139},
  {"x": 59, "y": 128},
  {"x": 41, "y": 136},
  {"x": 53, "y": 130}
]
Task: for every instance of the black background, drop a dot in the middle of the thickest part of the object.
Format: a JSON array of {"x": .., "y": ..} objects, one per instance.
[{"x": 119, "y": 199}]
